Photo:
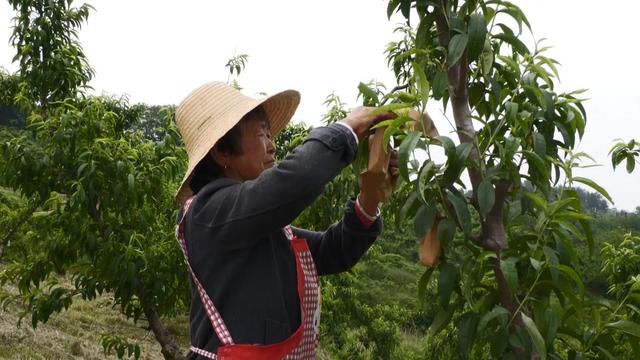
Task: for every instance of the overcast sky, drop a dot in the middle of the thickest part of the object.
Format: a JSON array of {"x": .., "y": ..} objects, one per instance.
[{"x": 157, "y": 51}]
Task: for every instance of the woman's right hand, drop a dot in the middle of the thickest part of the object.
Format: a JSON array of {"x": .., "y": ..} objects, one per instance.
[{"x": 361, "y": 119}]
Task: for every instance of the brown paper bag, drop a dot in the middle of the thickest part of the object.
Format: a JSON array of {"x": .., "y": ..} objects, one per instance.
[
  {"x": 429, "y": 129},
  {"x": 430, "y": 249},
  {"x": 375, "y": 180}
]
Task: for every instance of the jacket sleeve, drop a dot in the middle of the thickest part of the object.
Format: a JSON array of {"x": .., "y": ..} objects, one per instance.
[
  {"x": 340, "y": 247},
  {"x": 247, "y": 211}
]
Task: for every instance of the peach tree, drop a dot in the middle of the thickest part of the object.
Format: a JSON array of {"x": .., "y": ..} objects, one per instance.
[
  {"x": 96, "y": 192},
  {"x": 507, "y": 277}
]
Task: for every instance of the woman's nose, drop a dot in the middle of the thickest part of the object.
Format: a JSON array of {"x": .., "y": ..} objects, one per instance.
[{"x": 271, "y": 146}]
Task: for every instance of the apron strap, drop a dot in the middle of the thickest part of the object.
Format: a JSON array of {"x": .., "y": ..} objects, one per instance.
[
  {"x": 216, "y": 320},
  {"x": 288, "y": 232}
]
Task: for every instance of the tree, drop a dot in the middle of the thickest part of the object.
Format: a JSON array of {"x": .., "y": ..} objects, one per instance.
[
  {"x": 53, "y": 66},
  {"x": 103, "y": 190},
  {"x": 507, "y": 274},
  {"x": 10, "y": 114}
]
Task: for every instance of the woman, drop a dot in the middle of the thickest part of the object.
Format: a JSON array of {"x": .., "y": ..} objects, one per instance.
[{"x": 255, "y": 291}]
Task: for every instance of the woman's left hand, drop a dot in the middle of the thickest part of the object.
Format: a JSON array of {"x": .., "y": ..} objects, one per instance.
[{"x": 369, "y": 196}]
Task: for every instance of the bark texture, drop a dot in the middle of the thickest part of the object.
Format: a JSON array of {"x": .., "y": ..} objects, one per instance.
[{"x": 169, "y": 346}]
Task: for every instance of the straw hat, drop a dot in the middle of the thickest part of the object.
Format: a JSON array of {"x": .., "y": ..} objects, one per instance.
[{"x": 211, "y": 110}]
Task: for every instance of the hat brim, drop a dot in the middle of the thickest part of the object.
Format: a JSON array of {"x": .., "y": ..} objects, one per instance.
[{"x": 279, "y": 108}]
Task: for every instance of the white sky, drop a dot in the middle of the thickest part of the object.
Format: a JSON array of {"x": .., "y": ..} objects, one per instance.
[{"x": 157, "y": 51}]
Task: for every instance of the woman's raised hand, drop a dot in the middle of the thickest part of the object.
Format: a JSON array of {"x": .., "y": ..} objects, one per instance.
[{"x": 362, "y": 118}]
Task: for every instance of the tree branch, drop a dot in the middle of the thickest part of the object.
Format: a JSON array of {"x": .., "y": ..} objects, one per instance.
[{"x": 169, "y": 346}]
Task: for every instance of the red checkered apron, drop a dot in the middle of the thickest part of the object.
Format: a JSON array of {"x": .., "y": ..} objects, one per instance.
[{"x": 301, "y": 344}]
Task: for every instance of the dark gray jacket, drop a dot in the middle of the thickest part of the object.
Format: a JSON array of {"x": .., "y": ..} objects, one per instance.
[{"x": 239, "y": 252}]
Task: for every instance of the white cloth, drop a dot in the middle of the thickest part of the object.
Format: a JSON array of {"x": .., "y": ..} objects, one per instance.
[{"x": 350, "y": 129}]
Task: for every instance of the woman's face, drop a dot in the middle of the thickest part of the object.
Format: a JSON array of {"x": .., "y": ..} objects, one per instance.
[{"x": 257, "y": 152}]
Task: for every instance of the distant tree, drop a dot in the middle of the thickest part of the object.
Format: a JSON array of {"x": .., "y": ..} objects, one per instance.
[
  {"x": 289, "y": 138},
  {"x": 152, "y": 123},
  {"x": 52, "y": 63},
  {"x": 10, "y": 113},
  {"x": 592, "y": 202}
]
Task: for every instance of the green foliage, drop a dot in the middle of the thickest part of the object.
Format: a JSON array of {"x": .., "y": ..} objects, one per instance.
[
  {"x": 628, "y": 152},
  {"x": 508, "y": 249},
  {"x": 97, "y": 177},
  {"x": 52, "y": 63},
  {"x": 102, "y": 188},
  {"x": 236, "y": 65},
  {"x": 121, "y": 347},
  {"x": 289, "y": 138},
  {"x": 10, "y": 114}
]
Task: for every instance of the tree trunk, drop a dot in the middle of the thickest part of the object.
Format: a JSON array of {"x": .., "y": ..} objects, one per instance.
[
  {"x": 493, "y": 237},
  {"x": 170, "y": 349}
]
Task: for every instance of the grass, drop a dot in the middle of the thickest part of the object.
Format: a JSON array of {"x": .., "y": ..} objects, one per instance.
[{"x": 76, "y": 332}]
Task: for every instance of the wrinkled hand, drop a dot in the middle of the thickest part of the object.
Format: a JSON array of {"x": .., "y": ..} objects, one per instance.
[{"x": 361, "y": 119}]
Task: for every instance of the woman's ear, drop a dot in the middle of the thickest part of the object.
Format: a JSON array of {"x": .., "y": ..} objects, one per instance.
[{"x": 221, "y": 158}]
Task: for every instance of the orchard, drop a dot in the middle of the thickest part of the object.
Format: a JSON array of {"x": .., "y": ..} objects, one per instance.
[{"x": 486, "y": 235}]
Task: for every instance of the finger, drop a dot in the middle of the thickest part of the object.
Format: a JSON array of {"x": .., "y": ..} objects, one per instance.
[{"x": 382, "y": 117}]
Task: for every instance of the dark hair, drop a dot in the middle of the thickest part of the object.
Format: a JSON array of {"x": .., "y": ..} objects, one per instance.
[{"x": 207, "y": 169}]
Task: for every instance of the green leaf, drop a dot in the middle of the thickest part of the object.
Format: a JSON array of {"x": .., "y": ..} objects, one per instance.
[
  {"x": 536, "y": 199},
  {"x": 441, "y": 319},
  {"x": 448, "y": 145},
  {"x": 440, "y": 85},
  {"x": 517, "y": 45},
  {"x": 424, "y": 219},
  {"x": 362, "y": 156},
  {"x": 606, "y": 353},
  {"x": 536, "y": 162},
  {"x": 391, "y": 8},
  {"x": 426, "y": 172},
  {"x": 573, "y": 275},
  {"x": 486, "y": 60},
  {"x": 466, "y": 333},
  {"x": 370, "y": 97},
  {"x": 535, "y": 335},
  {"x": 446, "y": 283},
  {"x": 625, "y": 326},
  {"x": 423, "y": 83},
  {"x": 486, "y": 196},
  {"x": 539, "y": 145},
  {"x": 131, "y": 182},
  {"x": 552, "y": 323},
  {"x": 457, "y": 46},
  {"x": 446, "y": 231},
  {"x": 393, "y": 107},
  {"x": 405, "y": 8},
  {"x": 462, "y": 212},
  {"x": 456, "y": 163},
  {"x": 552, "y": 260},
  {"x": 510, "y": 273},
  {"x": 511, "y": 145},
  {"x": 422, "y": 285},
  {"x": 592, "y": 184},
  {"x": 512, "y": 112},
  {"x": 497, "y": 311},
  {"x": 423, "y": 31},
  {"x": 477, "y": 35},
  {"x": 631, "y": 163},
  {"x": 404, "y": 152}
]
